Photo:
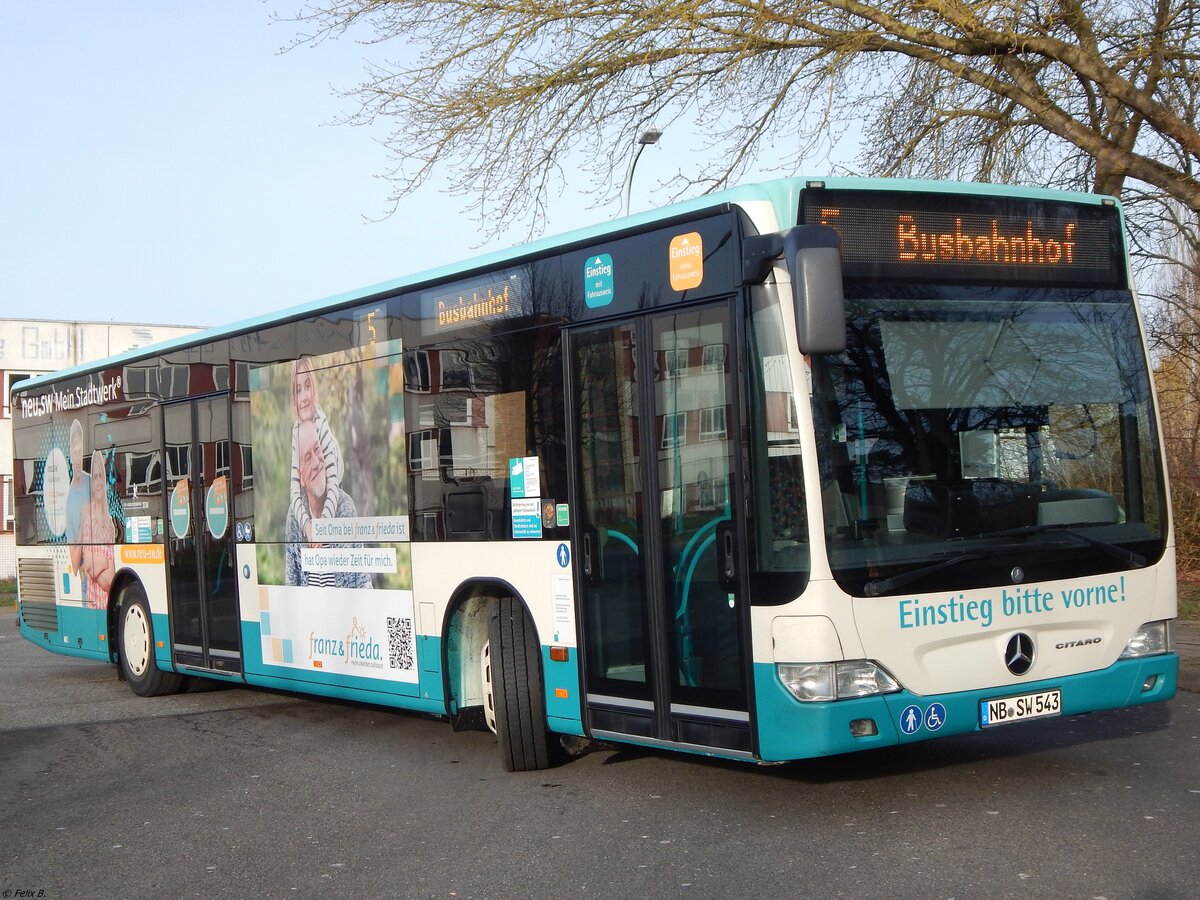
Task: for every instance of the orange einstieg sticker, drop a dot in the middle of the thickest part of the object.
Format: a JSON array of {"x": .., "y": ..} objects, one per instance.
[{"x": 687, "y": 261}]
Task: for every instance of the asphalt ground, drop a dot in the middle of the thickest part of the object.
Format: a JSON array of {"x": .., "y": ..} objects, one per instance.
[
  {"x": 251, "y": 793},
  {"x": 1187, "y": 645}
]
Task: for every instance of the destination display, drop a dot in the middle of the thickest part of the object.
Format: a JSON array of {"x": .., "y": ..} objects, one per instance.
[
  {"x": 502, "y": 295},
  {"x": 904, "y": 235}
]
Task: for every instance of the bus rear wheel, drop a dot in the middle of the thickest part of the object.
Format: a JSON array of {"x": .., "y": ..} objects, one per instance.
[
  {"x": 517, "y": 692},
  {"x": 136, "y": 630}
]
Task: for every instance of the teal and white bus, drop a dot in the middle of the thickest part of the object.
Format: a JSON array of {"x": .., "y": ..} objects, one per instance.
[{"x": 795, "y": 469}]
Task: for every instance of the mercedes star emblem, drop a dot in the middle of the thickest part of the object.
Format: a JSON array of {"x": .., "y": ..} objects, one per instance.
[{"x": 1018, "y": 655}]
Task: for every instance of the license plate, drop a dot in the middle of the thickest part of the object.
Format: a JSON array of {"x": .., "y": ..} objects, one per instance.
[{"x": 1021, "y": 708}]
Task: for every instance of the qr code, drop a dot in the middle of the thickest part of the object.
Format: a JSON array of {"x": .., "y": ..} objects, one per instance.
[{"x": 400, "y": 643}]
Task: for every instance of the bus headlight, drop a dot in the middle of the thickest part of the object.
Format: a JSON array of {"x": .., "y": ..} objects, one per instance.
[
  {"x": 1149, "y": 640},
  {"x": 836, "y": 680}
]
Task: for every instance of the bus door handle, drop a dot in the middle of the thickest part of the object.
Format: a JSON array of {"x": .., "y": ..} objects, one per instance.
[
  {"x": 727, "y": 556},
  {"x": 589, "y": 554}
]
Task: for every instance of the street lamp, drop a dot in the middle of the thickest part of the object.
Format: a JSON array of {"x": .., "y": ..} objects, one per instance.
[{"x": 648, "y": 137}]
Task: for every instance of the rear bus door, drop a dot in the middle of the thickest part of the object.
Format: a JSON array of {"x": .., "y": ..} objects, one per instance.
[{"x": 205, "y": 625}]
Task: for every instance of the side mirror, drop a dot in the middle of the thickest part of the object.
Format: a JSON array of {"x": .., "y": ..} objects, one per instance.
[
  {"x": 813, "y": 257},
  {"x": 813, "y": 253}
]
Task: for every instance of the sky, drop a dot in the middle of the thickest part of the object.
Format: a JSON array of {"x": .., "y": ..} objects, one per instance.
[{"x": 165, "y": 163}]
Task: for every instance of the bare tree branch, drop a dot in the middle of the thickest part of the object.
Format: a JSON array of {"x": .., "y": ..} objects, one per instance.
[{"x": 1097, "y": 94}]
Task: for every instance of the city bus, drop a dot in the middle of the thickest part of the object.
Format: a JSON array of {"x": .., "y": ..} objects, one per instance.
[{"x": 786, "y": 471}]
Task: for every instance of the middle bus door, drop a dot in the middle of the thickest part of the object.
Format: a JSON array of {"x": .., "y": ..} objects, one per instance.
[
  {"x": 658, "y": 551},
  {"x": 203, "y": 605}
]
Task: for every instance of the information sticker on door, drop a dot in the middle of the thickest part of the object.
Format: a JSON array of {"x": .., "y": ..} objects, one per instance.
[
  {"x": 181, "y": 509},
  {"x": 527, "y": 518},
  {"x": 598, "y": 281},
  {"x": 216, "y": 507},
  {"x": 687, "y": 261}
]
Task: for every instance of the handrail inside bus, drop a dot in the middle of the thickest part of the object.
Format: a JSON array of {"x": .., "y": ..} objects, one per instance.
[
  {"x": 691, "y": 570},
  {"x": 711, "y": 525},
  {"x": 684, "y": 629},
  {"x": 624, "y": 538}
]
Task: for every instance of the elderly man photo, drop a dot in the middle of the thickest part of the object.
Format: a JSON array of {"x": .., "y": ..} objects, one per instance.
[{"x": 317, "y": 491}]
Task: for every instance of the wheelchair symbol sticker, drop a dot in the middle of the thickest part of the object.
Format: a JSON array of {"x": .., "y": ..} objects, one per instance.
[{"x": 935, "y": 716}]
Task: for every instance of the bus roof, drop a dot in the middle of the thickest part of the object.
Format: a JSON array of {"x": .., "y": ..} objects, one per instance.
[{"x": 782, "y": 194}]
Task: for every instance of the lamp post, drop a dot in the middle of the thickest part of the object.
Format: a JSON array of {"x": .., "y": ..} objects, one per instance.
[{"x": 648, "y": 137}]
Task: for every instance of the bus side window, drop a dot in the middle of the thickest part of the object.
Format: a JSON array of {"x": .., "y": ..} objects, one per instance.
[
  {"x": 779, "y": 504},
  {"x": 471, "y": 405}
]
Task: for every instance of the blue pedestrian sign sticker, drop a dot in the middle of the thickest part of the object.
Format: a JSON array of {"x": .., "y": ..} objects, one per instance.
[
  {"x": 563, "y": 555},
  {"x": 598, "y": 280}
]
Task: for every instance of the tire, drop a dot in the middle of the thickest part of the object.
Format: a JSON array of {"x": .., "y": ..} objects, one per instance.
[
  {"x": 517, "y": 689},
  {"x": 136, "y": 635}
]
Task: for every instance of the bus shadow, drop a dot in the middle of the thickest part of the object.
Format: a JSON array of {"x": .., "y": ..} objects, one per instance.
[
  {"x": 1011, "y": 742},
  {"x": 1008, "y": 742}
]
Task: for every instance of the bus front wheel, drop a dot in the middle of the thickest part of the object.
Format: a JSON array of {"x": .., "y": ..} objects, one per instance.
[
  {"x": 517, "y": 692},
  {"x": 138, "y": 665}
]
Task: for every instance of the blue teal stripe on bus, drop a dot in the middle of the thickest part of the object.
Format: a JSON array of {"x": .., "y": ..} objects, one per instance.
[
  {"x": 429, "y": 660},
  {"x": 65, "y": 641},
  {"x": 783, "y": 195},
  {"x": 162, "y": 635},
  {"x": 78, "y": 634},
  {"x": 425, "y": 696},
  {"x": 789, "y": 729},
  {"x": 563, "y": 704},
  {"x": 563, "y": 713},
  {"x": 80, "y": 629}
]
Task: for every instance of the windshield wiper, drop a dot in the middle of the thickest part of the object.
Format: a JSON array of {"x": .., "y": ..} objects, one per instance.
[
  {"x": 1069, "y": 529},
  {"x": 883, "y": 585}
]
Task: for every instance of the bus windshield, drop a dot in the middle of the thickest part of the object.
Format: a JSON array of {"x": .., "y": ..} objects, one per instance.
[{"x": 1008, "y": 429}]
